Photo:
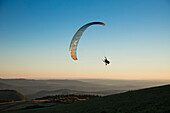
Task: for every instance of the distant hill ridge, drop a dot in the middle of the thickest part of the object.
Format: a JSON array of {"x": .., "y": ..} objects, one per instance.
[
  {"x": 68, "y": 92},
  {"x": 30, "y": 86},
  {"x": 99, "y": 86}
]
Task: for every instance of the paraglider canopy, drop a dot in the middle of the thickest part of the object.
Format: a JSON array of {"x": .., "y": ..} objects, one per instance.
[{"x": 76, "y": 38}]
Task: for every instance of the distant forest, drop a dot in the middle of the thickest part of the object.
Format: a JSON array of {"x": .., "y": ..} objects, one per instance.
[{"x": 67, "y": 98}]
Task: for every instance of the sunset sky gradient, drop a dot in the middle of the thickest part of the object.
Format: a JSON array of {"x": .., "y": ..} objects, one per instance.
[{"x": 35, "y": 36}]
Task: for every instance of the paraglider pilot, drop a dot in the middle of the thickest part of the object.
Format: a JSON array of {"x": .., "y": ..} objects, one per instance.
[{"x": 106, "y": 61}]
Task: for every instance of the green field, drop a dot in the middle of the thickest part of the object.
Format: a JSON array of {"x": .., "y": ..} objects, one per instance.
[{"x": 150, "y": 100}]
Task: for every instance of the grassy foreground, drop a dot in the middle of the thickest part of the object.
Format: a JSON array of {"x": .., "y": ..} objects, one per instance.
[{"x": 150, "y": 100}]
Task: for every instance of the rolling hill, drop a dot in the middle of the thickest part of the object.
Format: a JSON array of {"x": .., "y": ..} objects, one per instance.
[
  {"x": 149, "y": 100},
  {"x": 31, "y": 86},
  {"x": 75, "y": 92},
  {"x": 11, "y": 95}
]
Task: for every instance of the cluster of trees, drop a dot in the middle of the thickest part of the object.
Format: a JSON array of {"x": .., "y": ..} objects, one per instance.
[{"x": 67, "y": 98}]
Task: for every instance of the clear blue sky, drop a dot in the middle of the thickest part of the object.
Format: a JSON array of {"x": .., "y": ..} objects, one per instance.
[{"x": 35, "y": 37}]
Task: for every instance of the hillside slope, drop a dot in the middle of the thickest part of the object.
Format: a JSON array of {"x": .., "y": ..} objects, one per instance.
[
  {"x": 150, "y": 100},
  {"x": 11, "y": 95}
]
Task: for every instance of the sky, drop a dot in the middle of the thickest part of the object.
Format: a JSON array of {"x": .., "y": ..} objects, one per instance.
[{"x": 35, "y": 36}]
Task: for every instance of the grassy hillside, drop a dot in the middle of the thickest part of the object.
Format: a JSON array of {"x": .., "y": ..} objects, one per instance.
[
  {"x": 11, "y": 95},
  {"x": 150, "y": 100}
]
